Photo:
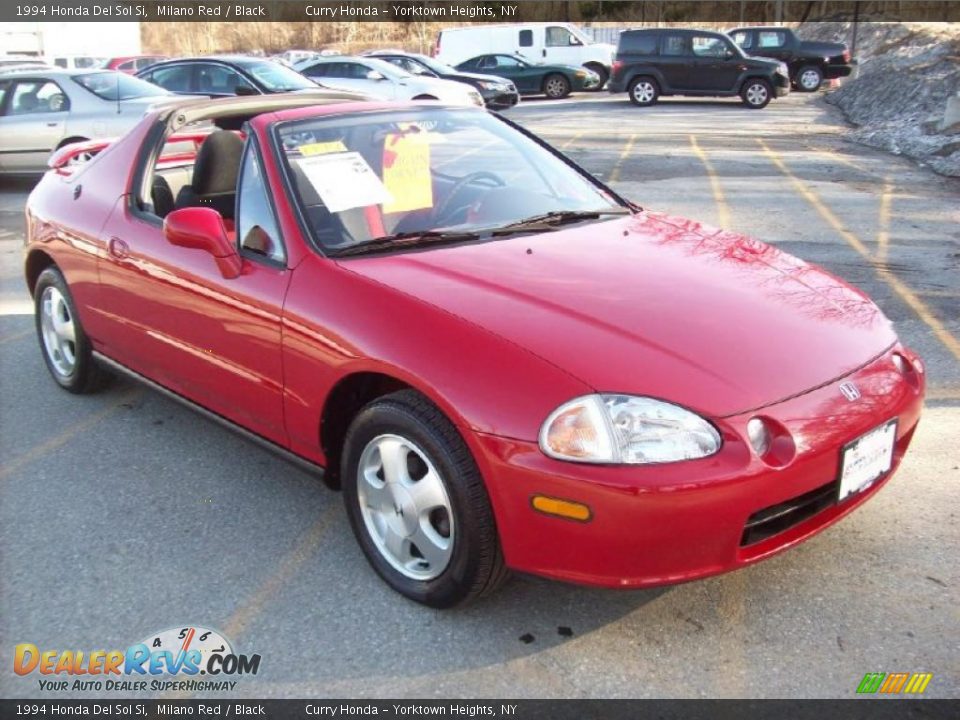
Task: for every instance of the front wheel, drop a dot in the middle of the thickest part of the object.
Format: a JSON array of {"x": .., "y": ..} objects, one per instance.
[
  {"x": 65, "y": 347},
  {"x": 809, "y": 79},
  {"x": 602, "y": 72},
  {"x": 417, "y": 504},
  {"x": 556, "y": 86},
  {"x": 756, "y": 93}
]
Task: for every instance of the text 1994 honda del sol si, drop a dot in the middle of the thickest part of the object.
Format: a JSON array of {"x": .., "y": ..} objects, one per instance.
[{"x": 501, "y": 362}]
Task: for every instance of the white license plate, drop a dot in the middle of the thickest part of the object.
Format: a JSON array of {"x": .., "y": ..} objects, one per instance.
[{"x": 866, "y": 459}]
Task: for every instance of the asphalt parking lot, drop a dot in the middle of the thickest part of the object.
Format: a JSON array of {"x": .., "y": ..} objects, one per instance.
[{"x": 122, "y": 514}]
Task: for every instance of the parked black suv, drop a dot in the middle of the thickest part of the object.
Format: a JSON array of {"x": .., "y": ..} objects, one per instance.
[
  {"x": 809, "y": 62},
  {"x": 668, "y": 61}
]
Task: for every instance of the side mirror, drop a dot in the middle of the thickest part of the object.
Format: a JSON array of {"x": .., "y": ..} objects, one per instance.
[
  {"x": 243, "y": 90},
  {"x": 201, "y": 228},
  {"x": 375, "y": 75}
]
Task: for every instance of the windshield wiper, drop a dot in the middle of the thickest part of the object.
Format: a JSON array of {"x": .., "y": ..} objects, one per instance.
[
  {"x": 550, "y": 220},
  {"x": 406, "y": 240}
]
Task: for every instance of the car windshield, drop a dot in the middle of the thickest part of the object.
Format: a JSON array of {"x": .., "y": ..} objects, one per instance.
[
  {"x": 115, "y": 86},
  {"x": 435, "y": 65},
  {"x": 278, "y": 78},
  {"x": 388, "y": 179}
]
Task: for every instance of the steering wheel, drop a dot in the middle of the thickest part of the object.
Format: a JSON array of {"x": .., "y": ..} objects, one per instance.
[{"x": 447, "y": 207}]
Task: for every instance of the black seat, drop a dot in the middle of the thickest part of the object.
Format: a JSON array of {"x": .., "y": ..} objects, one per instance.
[
  {"x": 162, "y": 196},
  {"x": 215, "y": 173}
]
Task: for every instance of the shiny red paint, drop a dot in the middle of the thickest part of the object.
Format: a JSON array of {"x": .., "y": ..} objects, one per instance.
[{"x": 498, "y": 335}]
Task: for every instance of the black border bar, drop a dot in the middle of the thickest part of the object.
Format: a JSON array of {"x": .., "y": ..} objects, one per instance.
[{"x": 464, "y": 11}]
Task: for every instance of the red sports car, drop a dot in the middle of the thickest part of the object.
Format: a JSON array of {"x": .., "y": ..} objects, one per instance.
[{"x": 501, "y": 362}]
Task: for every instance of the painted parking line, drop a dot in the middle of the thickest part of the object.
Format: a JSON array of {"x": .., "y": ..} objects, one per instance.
[
  {"x": 305, "y": 548},
  {"x": 905, "y": 293},
  {"x": 625, "y": 153},
  {"x": 723, "y": 210},
  {"x": 572, "y": 140},
  {"x": 37, "y": 452}
]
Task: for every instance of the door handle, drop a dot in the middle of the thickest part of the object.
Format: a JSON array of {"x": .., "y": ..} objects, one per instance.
[
  {"x": 118, "y": 248},
  {"x": 52, "y": 124}
]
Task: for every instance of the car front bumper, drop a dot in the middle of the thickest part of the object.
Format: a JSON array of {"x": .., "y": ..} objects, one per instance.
[
  {"x": 500, "y": 100},
  {"x": 590, "y": 82},
  {"x": 663, "y": 524}
]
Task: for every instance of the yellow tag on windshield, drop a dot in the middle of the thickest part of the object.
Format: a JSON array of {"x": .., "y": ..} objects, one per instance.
[
  {"x": 322, "y": 148},
  {"x": 406, "y": 172}
]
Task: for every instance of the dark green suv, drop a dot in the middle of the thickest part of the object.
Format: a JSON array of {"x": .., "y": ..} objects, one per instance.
[{"x": 700, "y": 63}]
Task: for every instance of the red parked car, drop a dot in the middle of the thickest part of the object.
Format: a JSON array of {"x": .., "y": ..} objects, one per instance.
[
  {"x": 132, "y": 64},
  {"x": 501, "y": 362}
]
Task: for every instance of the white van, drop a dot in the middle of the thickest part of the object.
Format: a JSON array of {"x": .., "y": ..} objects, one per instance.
[{"x": 560, "y": 43}]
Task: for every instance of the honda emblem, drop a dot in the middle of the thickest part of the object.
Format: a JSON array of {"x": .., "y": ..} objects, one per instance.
[{"x": 850, "y": 391}]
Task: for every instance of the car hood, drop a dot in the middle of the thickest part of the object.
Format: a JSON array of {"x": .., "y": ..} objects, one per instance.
[
  {"x": 653, "y": 305},
  {"x": 438, "y": 85},
  {"x": 476, "y": 77}
]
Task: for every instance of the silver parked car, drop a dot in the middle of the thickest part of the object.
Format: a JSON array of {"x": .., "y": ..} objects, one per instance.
[
  {"x": 43, "y": 109},
  {"x": 384, "y": 81}
]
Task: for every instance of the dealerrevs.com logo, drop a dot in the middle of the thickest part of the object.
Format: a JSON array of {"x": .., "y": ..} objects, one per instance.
[{"x": 184, "y": 653}]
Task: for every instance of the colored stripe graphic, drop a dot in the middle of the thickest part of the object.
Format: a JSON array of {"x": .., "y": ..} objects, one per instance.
[
  {"x": 918, "y": 683},
  {"x": 894, "y": 683},
  {"x": 871, "y": 682}
]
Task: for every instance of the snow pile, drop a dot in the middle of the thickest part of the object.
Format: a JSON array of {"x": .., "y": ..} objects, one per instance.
[{"x": 908, "y": 71}]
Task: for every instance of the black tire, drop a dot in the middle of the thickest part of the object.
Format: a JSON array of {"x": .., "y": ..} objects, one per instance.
[
  {"x": 556, "y": 86},
  {"x": 643, "y": 91},
  {"x": 809, "y": 78},
  {"x": 602, "y": 72},
  {"x": 475, "y": 566},
  {"x": 52, "y": 298},
  {"x": 756, "y": 93}
]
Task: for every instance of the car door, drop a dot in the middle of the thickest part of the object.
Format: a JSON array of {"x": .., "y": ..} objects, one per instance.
[
  {"x": 675, "y": 60},
  {"x": 32, "y": 123},
  {"x": 217, "y": 80},
  {"x": 561, "y": 47},
  {"x": 177, "y": 319},
  {"x": 177, "y": 78},
  {"x": 524, "y": 76},
  {"x": 715, "y": 65}
]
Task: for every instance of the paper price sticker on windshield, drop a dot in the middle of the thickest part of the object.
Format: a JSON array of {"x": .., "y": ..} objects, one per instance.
[
  {"x": 406, "y": 172},
  {"x": 344, "y": 181},
  {"x": 322, "y": 148}
]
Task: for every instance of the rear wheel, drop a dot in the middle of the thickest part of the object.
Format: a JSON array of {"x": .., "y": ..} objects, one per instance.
[
  {"x": 643, "y": 91},
  {"x": 65, "y": 347},
  {"x": 417, "y": 504},
  {"x": 756, "y": 93},
  {"x": 556, "y": 86},
  {"x": 810, "y": 78}
]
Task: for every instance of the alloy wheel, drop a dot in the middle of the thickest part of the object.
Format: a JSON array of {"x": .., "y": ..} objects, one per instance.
[
  {"x": 809, "y": 80},
  {"x": 405, "y": 507},
  {"x": 555, "y": 87},
  {"x": 757, "y": 94},
  {"x": 644, "y": 92},
  {"x": 59, "y": 331}
]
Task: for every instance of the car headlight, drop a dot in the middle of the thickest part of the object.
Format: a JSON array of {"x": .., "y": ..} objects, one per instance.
[
  {"x": 625, "y": 429},
  {"x": 581, "y": 73},
  {"x": 492, "y": 86}
]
